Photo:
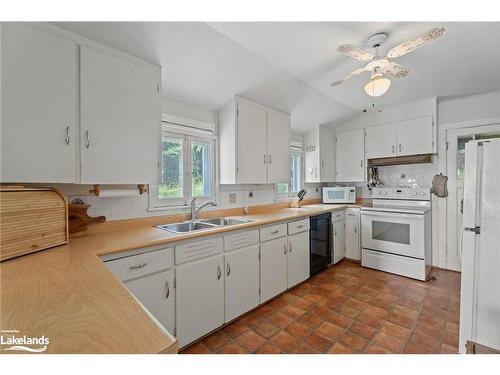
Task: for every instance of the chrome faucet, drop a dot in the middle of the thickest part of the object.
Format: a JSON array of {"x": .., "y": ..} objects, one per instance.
[{"x": 196, "y": 210}]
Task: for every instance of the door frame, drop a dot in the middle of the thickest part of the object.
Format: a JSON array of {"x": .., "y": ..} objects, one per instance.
[{"x": 444, "y": 258}]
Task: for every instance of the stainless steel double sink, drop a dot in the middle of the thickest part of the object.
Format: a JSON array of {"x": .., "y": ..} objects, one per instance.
[{"x": 191, "y": 226}]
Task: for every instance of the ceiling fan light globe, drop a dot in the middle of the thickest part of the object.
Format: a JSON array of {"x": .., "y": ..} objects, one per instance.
[{"x": 377, "y": 86}]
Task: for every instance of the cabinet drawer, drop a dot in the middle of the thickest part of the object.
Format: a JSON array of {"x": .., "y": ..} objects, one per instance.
[
  {"x": 274, "y": 231},
  {"x": 298, "y": 226},
  {"x": 337, "y": 215},
  {"x": 241, "y": 239},
  {"x": 352, "y": 213},
  {"x": 197, "y": 249},
  {"x": 139, "y": 265}
]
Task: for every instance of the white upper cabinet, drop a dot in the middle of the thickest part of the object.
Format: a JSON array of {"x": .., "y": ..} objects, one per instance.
[
  {"x": 120, "y": 120},
  {"x": 254, "y": 143},
  {"x": 408, "y": 137},
  {"x": 251, "y": 145},
  {"x": 278, "y": 147},
  {"x": 415, "y": 136},
  {"x": 380, "y": 141},
  {"x": 320, "y": 155},
  {"x": 39, "y": 106},
  {"x": 92, "y": 121},
  {"x": 350, "y": 160}
]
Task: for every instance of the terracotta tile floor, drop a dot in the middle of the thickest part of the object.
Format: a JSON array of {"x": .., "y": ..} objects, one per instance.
[{"x": 349, "y": 309}]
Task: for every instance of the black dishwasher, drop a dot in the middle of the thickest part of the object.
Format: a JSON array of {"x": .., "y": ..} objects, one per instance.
[{"x": 320, "y": 242}]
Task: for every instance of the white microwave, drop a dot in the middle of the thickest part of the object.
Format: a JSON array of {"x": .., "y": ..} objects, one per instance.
[{"x": 339, "y": 194}]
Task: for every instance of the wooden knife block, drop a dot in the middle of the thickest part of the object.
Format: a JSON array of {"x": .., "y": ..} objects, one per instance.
[{"x": 295, "y": 203}]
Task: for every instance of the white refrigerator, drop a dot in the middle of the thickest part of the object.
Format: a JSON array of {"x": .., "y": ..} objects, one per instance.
[{"x": 480, "y": 280}]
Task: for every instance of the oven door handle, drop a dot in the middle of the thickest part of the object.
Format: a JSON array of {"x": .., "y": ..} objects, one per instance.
[{"x": 393, "y": 215}]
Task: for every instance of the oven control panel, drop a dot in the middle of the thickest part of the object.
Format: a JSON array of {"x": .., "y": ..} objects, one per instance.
[{"x": 420, "y": 194}]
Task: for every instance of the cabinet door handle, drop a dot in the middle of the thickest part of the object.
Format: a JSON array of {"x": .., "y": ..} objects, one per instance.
[
  {"x": 290, "y": 247},
  {"x": 355, "y": 229},
  {"x": 284, "y": 246},
  {"x": 67, "y": 138},
  {"x": 270, "y": 160},
  {"x": 219, "y": 274},
  {"x": 335, "y": 232},
  {"x": 299, "y": 226},
  {"x": 87, "y": 139},
  {"x": 361, "y": 163},
  {"x": 228, "y": 270},
  {"x": 167, "y": 294},
  {"x": 400, "y": 147},
  {"x": 393, "y": 149},
  {"x": 138, "y": 266},
  {"x": 265, "y": 159}
]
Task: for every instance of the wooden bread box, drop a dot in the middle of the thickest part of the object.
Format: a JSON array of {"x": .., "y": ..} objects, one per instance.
[{"x": 31, "y": 219}]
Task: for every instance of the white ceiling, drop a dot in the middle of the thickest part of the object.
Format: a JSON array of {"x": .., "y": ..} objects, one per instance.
[
  {"x": 289, "y": 66},
  {"x": 465, "y": 61}
]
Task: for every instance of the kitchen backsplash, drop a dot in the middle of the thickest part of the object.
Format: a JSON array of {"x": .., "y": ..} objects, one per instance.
[
  {"x": 117, "y": 208},
  {"x": 409, "y": 175}
]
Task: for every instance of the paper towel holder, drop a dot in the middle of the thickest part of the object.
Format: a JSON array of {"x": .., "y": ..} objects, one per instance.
[{"x": 97, "y": 189}]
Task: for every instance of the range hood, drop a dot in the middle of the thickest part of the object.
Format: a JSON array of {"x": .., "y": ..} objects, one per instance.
[{"x": 400, "y": 160}]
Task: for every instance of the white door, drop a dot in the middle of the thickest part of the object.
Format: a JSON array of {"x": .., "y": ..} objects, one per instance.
[
  {"x": 273, "y": 268},
  {"x": 157, "y": 294},
  {"x": 199, "y": 298},
  {"x": 352, "y": 247},
  {"x": 326, "y": 154},
  {"x": 350, "y": 159},
  {"x": 455, "y": 160},
  {"x": 278, "y": 147},
  {"x": 120, "y": 120},
  {"x": 380, "y": 141},
  {"x": 338, "y": 241},
  {"x": 311, "y": 157},
  {"x": 415, "y": 136},
  {"x": 242, "y": 281},
  {"x": 251, "y": 144},
  {"x": 298, "y": 269},
  {"x": 39, "y": 117}
]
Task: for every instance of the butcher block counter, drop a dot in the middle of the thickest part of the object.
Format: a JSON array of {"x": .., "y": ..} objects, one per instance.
[{"x": 69, "y": 296}]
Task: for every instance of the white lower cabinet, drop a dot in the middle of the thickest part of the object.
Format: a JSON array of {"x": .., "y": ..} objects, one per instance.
[
  {"x": 157, "y": 294},
  {"x": 338, "y": 241},
  {"x": 241, "y": 281},
  {"x": 273, "y": 268},
  {"x": 298, "y": 268},
  {"x": 352, "y": 239},
  {"x": 200, "y": 298}
]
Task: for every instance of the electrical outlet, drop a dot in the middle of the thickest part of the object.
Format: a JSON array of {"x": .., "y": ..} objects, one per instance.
[{"x": 232, "y": 197}]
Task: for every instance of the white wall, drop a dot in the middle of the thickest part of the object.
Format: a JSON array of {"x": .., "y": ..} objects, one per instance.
[
  {"x": 468, "y": 108},
  {"x": 182, "y": 109}
]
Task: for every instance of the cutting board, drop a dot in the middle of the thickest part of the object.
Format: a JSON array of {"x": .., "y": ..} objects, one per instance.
[{"x": 31, "y": 219}]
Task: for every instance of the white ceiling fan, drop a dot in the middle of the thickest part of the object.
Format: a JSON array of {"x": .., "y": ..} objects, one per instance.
[{"x": 381, "y": 68}]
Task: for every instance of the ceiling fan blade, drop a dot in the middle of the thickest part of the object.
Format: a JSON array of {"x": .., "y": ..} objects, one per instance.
[
  {"x": 393, "y": 70},
  {"x": 413, "y": 44},
  {"x": 355, "y": 52},
  {"x": 352, "y": 74}
]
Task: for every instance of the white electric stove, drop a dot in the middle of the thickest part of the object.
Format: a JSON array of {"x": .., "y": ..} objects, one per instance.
[{"x": 396, "y": 233}]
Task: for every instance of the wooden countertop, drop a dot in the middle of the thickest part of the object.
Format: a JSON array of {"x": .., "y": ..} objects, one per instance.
[{"x": 68, "y": 295}]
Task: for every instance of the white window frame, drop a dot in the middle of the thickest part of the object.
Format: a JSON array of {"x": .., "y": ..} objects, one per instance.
[
  {"x": 294, "y": 150},
  {"x": 186, "y": 130}
]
